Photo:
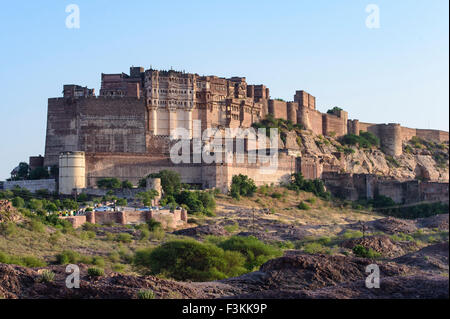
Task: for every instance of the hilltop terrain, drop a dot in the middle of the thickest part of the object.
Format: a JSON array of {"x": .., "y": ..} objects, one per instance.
[{"x": 313, "y": 248}]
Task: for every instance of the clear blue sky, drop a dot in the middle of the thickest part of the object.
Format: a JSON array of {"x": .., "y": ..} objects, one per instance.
[{"x": 397, "y": 73}]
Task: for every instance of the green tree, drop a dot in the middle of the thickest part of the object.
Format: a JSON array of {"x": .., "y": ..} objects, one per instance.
[
  {"x": 170, "y": 181},
  {"x": 191, "y": 260},
  {"x": 70, "y": 204},
  {"x": 109, "y": 183},
  {"x": 254, "y": 250},
  {"x": 39, "y": 173},
  {"x": 242, "y": 185},
  {"x": 127, "y": 184},
  {"x": 23, "y": 170}
]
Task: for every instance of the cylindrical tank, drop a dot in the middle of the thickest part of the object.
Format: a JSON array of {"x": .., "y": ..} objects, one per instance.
[{"x": 72, "y": 172}]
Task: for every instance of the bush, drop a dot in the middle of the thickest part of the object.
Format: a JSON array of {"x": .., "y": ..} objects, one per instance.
[
  {"x": 36, "y": 226},
  {"x": 8, "y": 229},
  {"x": 349, "y": 234},
  {"x": 364, "y": 140},
  {"x": 232, "y": 228},
  {"x": 124, "y": 238},
  {"x": 118, "y": 267},
  {"x": 26, "y": 261},
  {"x": 381, "y": 201},
  {"x": 157, "y": 234},
  {"x": 85, "y": 235},
  {"x": 197, "y": 202},
  {"x": 67, "y": 257},
  {"x": 242, "y": 185},
  {"x": 127, "y": 184},
  {"x": 315, "y": 186},
  {"x": 89, "y": 226},
  {"x": 146, "y": 294},
  {"x": 418, "y": 211},
  {"x": 303, "y": 206},
  {"x": 364, "y": 252},
  {"x": 121, "y": 202},
  {"x": 18, "y": 202},
  {"x": 191, "y": 260},
  {"x": 109, "y": 183},
  {"x": 47, "y": 276},
  {"x": 314, "y": 248},
  {"x": 335, "y": 110},
  {"x": 95, "y": 272},
  {"x": 98, "y": 261},
  {"x": 170, "y": 181},
  {"x": 254, "y": 250}
]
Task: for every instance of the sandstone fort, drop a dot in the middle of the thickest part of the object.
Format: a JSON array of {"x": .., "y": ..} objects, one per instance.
[{"x": 125, "y": 132}]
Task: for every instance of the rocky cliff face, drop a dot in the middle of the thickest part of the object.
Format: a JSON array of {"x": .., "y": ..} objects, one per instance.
[{"x": 420, "y": 160}]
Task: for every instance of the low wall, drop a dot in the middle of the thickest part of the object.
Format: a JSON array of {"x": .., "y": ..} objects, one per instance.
[
  {"x": 165, "y": 217},
  {"x": 32, "y": 185},
  {"x": 76, "y": 221}
]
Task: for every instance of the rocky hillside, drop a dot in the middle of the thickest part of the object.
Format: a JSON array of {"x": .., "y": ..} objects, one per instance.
[{"x": 420, "y": 159}]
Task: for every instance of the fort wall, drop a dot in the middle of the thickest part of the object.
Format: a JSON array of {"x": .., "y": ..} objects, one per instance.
[
  {"x": 32, "y": 185},
  {"x": 356, "y": 186}
]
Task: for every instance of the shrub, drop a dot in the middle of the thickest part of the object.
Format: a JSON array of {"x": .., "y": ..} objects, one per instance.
[
  {"x": 127, "y": 184},
  {"x": 124, "y": 238},
  {"x": 418, "y": 211},
  {"x": 315, "y": 186},
  {"x": 109, "y": 183},
  {"x": 170, "y": 181},
  {"x": 18, "y": 202},
  {"x": 114, "y": 256},
  {"x": 335, "y": 110},
  {"x": 232, "y": 228},
  {"x": 98, "y": 261},
  {"x": 242, "y": 185},
  {"x": 364, "y": 140},
  {"x": 157, "y": 234},
  {"x": 95, "y": 272},
  {"x": 303, "y": 206},
  {"x": 144, "y": 234},
  {"x": 67, "y": 257},
  {"x": 118, "y": 267},
  {"x": 89, "y": 226},
  {"x": 8, "y": 229},
  {"x": 121, "y": 202},
  {"x": 349, "y": 234},
  {"x": 191, "y": 260},
  {"x": 26, "y": 261},
  {"x": 276, "y": 195},
  {"x": 47, "y": 276},
  {"x": 254, "y": 250},
  {"x": 197, "y": 202},
  {"x": 153, "y": 224},
  {"x": 147, "y": 197},
  {"x": 381, "y": 201},
  {"x": 314, "y": 248},
  {"x": 364, "y": 252},
  {"x": 146, "y": 294},
  {"x": 85, "y": 235},
  {"x": 55, "y": 237}
]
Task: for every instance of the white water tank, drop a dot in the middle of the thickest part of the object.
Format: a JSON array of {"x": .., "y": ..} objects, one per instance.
[{"x": 72, "y": 172}]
